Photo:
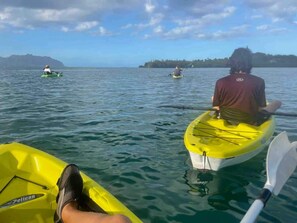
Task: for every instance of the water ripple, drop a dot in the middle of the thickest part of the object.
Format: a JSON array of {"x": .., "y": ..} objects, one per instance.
[{"x": 108, "y": 121}]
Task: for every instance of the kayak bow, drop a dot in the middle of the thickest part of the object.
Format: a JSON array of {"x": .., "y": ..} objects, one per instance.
[{"x": 28, "y": 188}]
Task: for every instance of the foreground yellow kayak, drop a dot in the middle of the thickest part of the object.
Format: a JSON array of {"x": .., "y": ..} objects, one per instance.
[
  {"x": 214, "y": 143},
  {"x": 28, "y": 188}
]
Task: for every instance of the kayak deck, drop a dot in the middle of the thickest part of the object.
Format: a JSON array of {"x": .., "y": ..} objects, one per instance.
[
  {"x": 218, "y": 139},
  {"x": 177, "y": 76},
  {"x": 28, "y": 187}
]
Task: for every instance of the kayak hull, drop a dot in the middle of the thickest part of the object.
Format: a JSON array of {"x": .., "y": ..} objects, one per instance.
[
  {"x": 176, "y": 76},
  {"x": 204, "y": 162},
  {"x": 52, "y": 75},
  {"x": 28, "y": 188},
  {"x": 214, "y": 143}
]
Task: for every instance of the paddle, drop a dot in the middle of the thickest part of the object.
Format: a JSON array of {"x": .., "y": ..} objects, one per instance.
[
  {"x": 281, "y": 162},
  {"x": 212, "y": 109},
  {"x": 187, "y": 107}
]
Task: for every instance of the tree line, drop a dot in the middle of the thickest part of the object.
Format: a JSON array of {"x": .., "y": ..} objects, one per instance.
[{"x": 259, "y": 60}]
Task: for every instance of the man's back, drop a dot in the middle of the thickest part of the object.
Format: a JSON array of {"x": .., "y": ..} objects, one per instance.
[{"x": 244, "y": 92}]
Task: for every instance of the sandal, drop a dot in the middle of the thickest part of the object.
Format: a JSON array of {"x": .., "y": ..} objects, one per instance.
[{"x": 70, "y": 189}]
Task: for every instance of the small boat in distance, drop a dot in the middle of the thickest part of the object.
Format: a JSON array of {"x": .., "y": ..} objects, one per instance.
[
  {"x": 176, "y": 74},
  {"x": 47, "y": 72}
]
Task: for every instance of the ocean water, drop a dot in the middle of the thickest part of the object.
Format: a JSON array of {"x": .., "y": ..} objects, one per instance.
[{"x": 108, "y": 121}]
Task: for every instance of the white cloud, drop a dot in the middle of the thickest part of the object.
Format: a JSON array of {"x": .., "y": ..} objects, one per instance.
[
  {"x": 4, "y": 15},
  {"x": 127, "y": 26},
  {"x": 149, "y": 7},
  {"x": 256, "y": 16},
  {"x": 91, "y": 5},
  {"x": 179, "y": 32},
  {"x": 207, "y": 18},
  {"x": 227, "y": 12},
  {"x": 31, "y": 13},
  {"x": 158, "y": 29},
  {"x": 164, "y": 18},
  {"x": 103, "y": 32},
  {"x": 192, "y": 27},
  {"x": 156, "y": 19},
  {"x": 262, "y": 27},
  {"x": 198, "y": 8},
  {"x": 276, "y": 10},
  {"x": 85, "y": 26},
  {"x": 34, "y": 18},
  {"x": 65, "y": 29},
  {"x": 191, "y": 32},
  {"x": 88, "y": 26},
  {"x": 223, "y": 34},
  {"x": 270, "y": 29},
  {"x": 278, "y": 30},
  {"x": 153, "y": 20}
]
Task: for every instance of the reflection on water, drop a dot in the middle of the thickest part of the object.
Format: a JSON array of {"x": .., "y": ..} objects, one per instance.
[
  {"x": 198, "y": 181},
  {"x": 220, "y": 189}
]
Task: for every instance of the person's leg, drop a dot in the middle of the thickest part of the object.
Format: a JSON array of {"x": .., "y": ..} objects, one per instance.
[
  {"x": 70, "y": 214},
  {"x": 70, "y": 186},
  {"x": 70, "y": 189}
]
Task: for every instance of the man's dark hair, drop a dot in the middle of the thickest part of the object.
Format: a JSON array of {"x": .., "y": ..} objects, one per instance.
[{"x": 240, "y": 60}]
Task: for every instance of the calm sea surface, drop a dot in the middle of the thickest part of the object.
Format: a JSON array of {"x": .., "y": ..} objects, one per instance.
[{"x": 108, "y": 122}]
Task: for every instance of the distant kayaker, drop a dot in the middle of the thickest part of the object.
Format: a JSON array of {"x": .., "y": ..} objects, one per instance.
[
  {"x": 47, "y": 69},
  {"x": 177, "y": 71},
  {"x": 240, "y": 96},
  {"x": 70, "y": 191}
]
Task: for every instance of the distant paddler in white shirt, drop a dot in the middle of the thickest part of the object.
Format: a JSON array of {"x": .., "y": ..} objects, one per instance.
[{"x": 47, "y": 69}]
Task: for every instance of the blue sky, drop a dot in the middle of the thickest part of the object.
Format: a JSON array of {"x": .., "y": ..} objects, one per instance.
[{"x": 116, "y": 33}]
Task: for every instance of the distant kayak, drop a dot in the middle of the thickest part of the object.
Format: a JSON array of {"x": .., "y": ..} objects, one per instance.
[
  {"x": 53, "y": 74},
  {"x": 176, "y": 76},
  {"x": 28, "y": 188}
]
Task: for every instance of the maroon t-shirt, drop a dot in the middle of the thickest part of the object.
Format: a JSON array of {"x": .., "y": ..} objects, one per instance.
[{"x": 245, "y": 92}]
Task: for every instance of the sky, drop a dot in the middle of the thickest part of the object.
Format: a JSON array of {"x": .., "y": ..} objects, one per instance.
[{"x": 128, "y": 33}]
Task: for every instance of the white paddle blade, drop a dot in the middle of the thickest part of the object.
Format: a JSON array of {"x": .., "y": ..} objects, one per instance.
[
  {"x": 281, "y": 162},
  {"x": 278, "y": 148},
  {"x": 286, "y": 168}
]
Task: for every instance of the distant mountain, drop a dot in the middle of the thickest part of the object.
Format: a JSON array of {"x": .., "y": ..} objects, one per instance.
[{"x": 28, "y": 61}]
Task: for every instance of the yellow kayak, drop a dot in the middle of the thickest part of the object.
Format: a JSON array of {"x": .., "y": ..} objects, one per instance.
[
  {"x": 176, "y": 76},
  {"x": 214, "y": 143},
  {"x": 28, "y": 188}
]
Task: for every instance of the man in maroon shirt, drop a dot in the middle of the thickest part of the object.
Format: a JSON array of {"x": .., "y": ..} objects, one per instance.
[{"x": 240, "y": 96}]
